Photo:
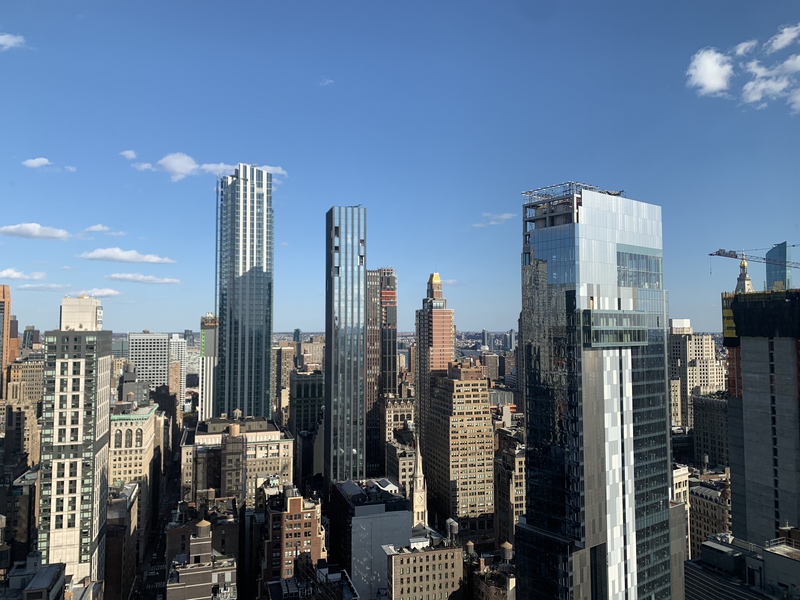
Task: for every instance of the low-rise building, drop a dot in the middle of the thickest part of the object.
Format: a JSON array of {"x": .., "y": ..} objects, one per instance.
[
  {"x": 509, "y": 491},
  {"x": 201, "y": 574},
  {"x": 424, "y": 568},
  {"x": 709, "y": 513},
  {"x": 121, "y": 537},
  {"x": 31, "y": 580}
]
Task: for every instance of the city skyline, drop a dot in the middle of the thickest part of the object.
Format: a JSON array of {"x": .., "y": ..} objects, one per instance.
[{"x": 473, "y": 81}]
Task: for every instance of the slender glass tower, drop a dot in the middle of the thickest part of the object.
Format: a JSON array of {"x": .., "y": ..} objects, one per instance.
[
  {"x": 593, "y": 358},
  {"x": 345, "y": 343},
  {"x": 244, "y": 293}
]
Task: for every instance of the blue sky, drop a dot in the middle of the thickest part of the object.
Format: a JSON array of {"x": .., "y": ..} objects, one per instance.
[{"x": 434, "y": 115}]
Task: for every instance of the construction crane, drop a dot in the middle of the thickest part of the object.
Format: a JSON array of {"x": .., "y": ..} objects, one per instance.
[{"x": 761, "y": 259}]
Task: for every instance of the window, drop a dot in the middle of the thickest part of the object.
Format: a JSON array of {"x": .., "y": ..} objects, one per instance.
[
  {"x": 139, "y": 436},
  {"x": 118, "y": 439},
  {"x": 128, "y": 438}
]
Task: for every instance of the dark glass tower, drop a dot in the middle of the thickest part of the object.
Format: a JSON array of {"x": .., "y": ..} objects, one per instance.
[
  {"x": 345, "y": 343},
  {"x": 388, "y": 381},
  {"x": 779, "y": 275},
  {"x": 592, "y": 352},
  {"x": 244, "y": 294}
]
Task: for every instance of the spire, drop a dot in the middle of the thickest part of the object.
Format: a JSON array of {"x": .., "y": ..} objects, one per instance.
[
  {"x": 419, "y": 497},
  {"x": 743, "y": 283}
]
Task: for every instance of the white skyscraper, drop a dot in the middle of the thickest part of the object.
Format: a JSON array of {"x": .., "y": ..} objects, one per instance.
[
  {"x": 150, "y": 353},
  {"x": 81, "y": 314},
  {"x": 74, "y": 447},
  {"x": 177, "y": 352},
  {"x": 244, "y": 295}
]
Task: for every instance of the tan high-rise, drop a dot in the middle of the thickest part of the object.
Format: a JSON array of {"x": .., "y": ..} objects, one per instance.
[
  {"x": 435, "y": 350},
  {"x": 5, "y": 320}
]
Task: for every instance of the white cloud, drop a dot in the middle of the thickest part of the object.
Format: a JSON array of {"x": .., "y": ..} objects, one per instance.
[
  {"x": 274, "y": 170},
  {"x": 139, "y": 278},
  {"x": 794, "y": 100},
  {"x": 70, "y": 169},
  {"x": 783, "y": 38},
  {"x": 754, "y": 91},
  {"x": 9, "y": 40},
  {"x": 285, "y": 244},
  {"x": 34, "y": 231},
  {"x": 745, "y": 47},
  {"x": 494, "y": 219},
  {"x": 100, "y": 292},
  {"x": 97, "y": 227},
  {"x": 451, "y": 282},
  {"x": 221, "y": 167},
  {"x": 710, "y": 71},
  {"x": 35, "y": 163},
  {"x": 42, "y": 287},
  {"x": 12, "y": 273},
  {"x": 127, "y": 256},
  {"x": 323, "y": 81},
  {"x": 117, "y": 233},
  {"x": 129, "y": 154},
  {"x": 67, "y": 268},
  {"x": 143, "y": 166},
  {"x": 178, "y": 165}
]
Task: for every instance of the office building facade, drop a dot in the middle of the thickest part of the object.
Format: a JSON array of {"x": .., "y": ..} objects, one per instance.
[
  {"x": 150, "y": 353},
  {"x": 372, "y": 362},
  {"x": 208, "y": 366},
  {"x": 345, "y": 344},
  {"x": 5, "y": 327},
  {"x": 177, "y": 353},
  {"x": 74, "y": 450},
  {"x": 592, "y": 371},
  {"x": 244, "y": 296},
  {"x": 779, "y": 274},
  {"x": 388, "y": 292}
]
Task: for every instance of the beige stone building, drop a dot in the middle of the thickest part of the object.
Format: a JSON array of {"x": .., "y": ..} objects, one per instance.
[
  {"x": 20, "y": 423},
  {"x": 133, "y": 452},
  {"x": 710, "y": 513},
  {"x": 421, "y": 571},
  {"x": 509, "y": 491},
  {"x": 400, "y": 460},
  {"x": 29, "y": 371},
  {"x": 394, "y": 414},
  {"x": 460, "y": 444}
]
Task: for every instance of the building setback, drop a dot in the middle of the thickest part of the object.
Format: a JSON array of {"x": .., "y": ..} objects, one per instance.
[
  {"x": 245, "y": 292},
  {"x": 345, "y": 344},
  {"x": 592, "y": 371}
]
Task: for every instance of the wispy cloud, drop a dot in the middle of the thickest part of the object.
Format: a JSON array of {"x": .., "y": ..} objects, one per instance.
[
  {"x": 323, "y": 81},
  {"x": 180, "y": 165},
  {"x": 285, "y": 244},
  {"x": 100, "y": 292},
  {"x": 451, "y": 282},
  {"x": 782, "y": 39},
  {"x": 36, "y": 163},
  {"x": 9, "y": 41},
  {"x": 126, "y": 256},
  {"x": 139, "y": 278},
  {"x": 12, "y": 273},
  {"x": 70, "y": 169},
  {"x": 34, "y": 231},
  {"x": 67, "y": 268},
  {"x": 129, "y": 154},
  {"x": 117, "y": 233},
  {"x": 43, "y": 287},
  {"x": 494, "y": 219},
  {"x": 97, "y": 228},
  {"x": 715, "y": 73}
]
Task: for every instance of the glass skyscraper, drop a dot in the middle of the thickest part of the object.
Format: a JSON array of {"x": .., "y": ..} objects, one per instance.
[
  {"x": 345, "y": 343},
  {"x": 592, "y": 372},
  {"x": 779, "y": 273},
  {"x": 244, "y": 293}
]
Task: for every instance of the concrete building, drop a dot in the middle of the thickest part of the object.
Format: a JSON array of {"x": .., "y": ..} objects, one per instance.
[
  {"x": 710, "y": 429},
  {"x": 733, "y": 569},
  {"x": 208, "y": 366},
  {"x": 509, "y": 491},
  {"x": 245, "y": 293},
  {"x": 75, "y": 430},
  {"x": 395, "y": 413},
  {"x": 199, "y": 574},
  {"x": 422, "y": 569},
  {"x": 709, "y": 513},
  {"x": 491, "y": 365},
  {"x": 122, "y": 559},
  {"x": 283, "y": 363},
  {"x": 6, "y": 355},
  {"x": 460, "y": 442},
  {"x": 234, "y": 457},
  {"x": 306, "y": 400},
  {"x": 81, "y": 314},
  {"x": 19, "y": 500},
  {"x": 130, "y": 388},
  {"x": 400, "y": 461},
  {"x": 779, "y": 275},
  {"x": 364, "y": 519},
  {"x": 693, "y": 361},
  {"x": 312, "y": 351},
  {"x": 30, "y": 371},
  {"x": 133, "y": 458},
  {"x": 177, "y": 353},
  {"x": 345, "y": 348},
  {"x": 32, "y": 579},
  {"x": 150, "y": 353},
  {"x": 294, "y": 527},
  {"x": 762, "y": 331},
  {"x": 593, "y": 327},
  {"x": 435, "y": 349}
]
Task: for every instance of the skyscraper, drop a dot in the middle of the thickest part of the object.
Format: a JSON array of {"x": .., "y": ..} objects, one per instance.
[
  {"x": 592, "y": 370},
  {"x": 177, "y": 353},
  {"x": 436, "y": 343},
  {"x": 150, "y": 353},
  {"x": 208, "y": 366},
  {"x": 244, "y": 295},
  {"x": 74, "y": 447},
  {"x": 5, "y": 327},
  {"x": 345, "y": 343},
  {"x": 779, "y": 276},
  {"x": 372, "y": 335},
  {"x": 388, "y": 380}
]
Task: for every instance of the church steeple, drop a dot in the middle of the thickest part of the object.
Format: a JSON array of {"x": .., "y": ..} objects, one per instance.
[
  {"x": 743, "y": 283},
  {"x": 419, "y": 490}
]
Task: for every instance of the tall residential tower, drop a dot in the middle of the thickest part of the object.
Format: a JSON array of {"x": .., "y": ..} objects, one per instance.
[
  {"x": 593, "y": 374},
  {"x": 244, "y": 295},
  {"x": 345, "y": 344}
]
